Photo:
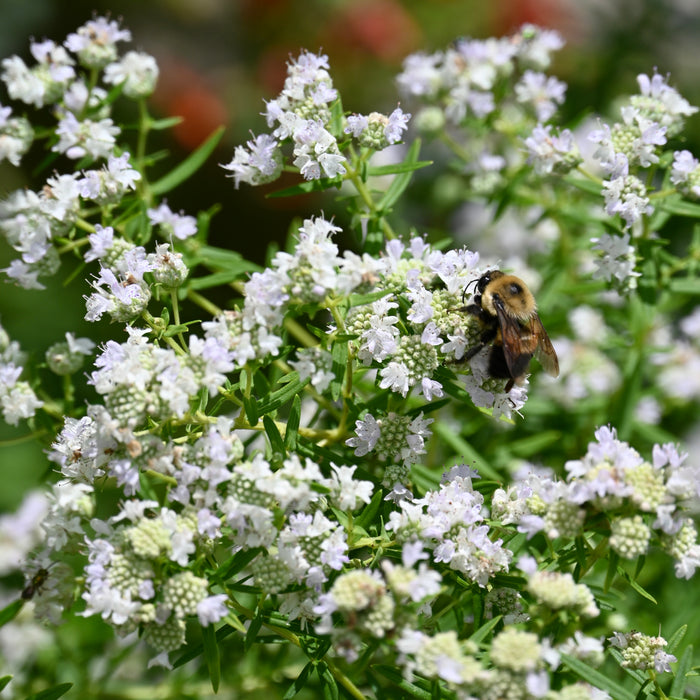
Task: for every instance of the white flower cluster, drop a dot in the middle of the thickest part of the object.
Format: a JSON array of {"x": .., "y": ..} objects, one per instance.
[
  {"x": 217, "y": 499},
  {"x": 450, "y": 522},
  {"x": 462, "y": 79},
  {"x": 302, "y": 113},
  {"x": 612, "y": 478},
  {"x": 19, "y": 401},
  {"x": 32, "y": 221},
  {"x": 435, "y": 328}
]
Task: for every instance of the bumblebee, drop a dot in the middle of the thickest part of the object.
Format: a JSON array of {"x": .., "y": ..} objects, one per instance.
[{"x": 507, "y": 312}]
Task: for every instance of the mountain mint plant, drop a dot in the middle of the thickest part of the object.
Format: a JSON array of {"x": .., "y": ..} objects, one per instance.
[{"x": 315, "y": 487}]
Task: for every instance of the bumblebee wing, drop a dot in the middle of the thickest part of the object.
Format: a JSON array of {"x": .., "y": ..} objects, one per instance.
[
  {"x": 519, "y": 343},
  {"x": 544, "y": 350}
]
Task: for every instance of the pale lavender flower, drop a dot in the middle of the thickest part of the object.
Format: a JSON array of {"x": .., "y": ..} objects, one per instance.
[
  {"x": 259, "y": 163},
  {"x": 542, "y": 92},
  {"x": 212, "y": 609},
  {"x": 137, "y": 71},
  {"x": 78, "y": 139},
  {"x": 180, "y": 225}
]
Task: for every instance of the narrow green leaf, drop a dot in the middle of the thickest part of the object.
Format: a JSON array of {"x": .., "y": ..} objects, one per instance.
[
  {"x": 211, "y": 654},
  {"x": 251, "y": 410},
  {"x": 189, "y": 166},
  {"x": 166, "y": 123},
  {"x": 293, "y": 420},
  {"x": 391, "y": 673},
  {"x": 51, "y": 693},
  {"x": 613, "y": 561},
  {"x": 235, "y": 564},
  {"x": 534, "y": 444},
  {"x": 253, "y": 629},
  {"x": 339, "y": 353},
  {"x": 680, "y": 207},
  {"x": 581, "y": 183},
  {"x": 685, "y": 285},
  {"x": 281, "y": 396},
  {"x": 319, "y": 185},
  {"x": 466, "y": 451},
  {"x": 221, "y": 257},
  {"x": 328, "y": 684},
  {"x": 368, "y": 515},
  {"x": 401, "y": 181},
  {"x": 680, "y": 679},
  {"x": 480, "y": 635},
  {"x": 273, "y": 435},
  {"x": 299, "y": 681},
  {"x": 597, "y": 679},
  {"x": 676, "y": 638},
  {"x": 361, "y": 299},
  {"x": 9, "y": 612},
  {"x": 635, "y": 585},
  {"x": 217, "y": 279},
  {"x": 4, "y": 681},
  {"x": 197, "y": 650},
  {"x": 397, "y": 168}
]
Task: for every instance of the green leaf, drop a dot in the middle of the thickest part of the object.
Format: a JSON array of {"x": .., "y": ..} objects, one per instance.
[
  {"x": 319, "y": 185},
  {"x": 680, "y": 207},
  {"x": 368, "y": 515},
  {"x": 211, "y": 654},
  {"x": 51, "y": 693},
  {"x": 396, "y": 168},
  {"x": 534, "y": 444},
  {"x": 680, "y": 679},
  {"x": 361, "y": 299},
  {"x": 635, "y": 585},
  {"x": 253, "y": 629},
  {"x": 293, "y": 420},
  {"x": 220, "y": 257},
  {"x": 4, "y": 681},
  {"x": 676, "y": 638},
  {"x": 401, "y": 181},
  {"x": 217, "y": 279},
  {"x": 166, "y": 123},
  {"x": 198, "y": 649},
  {"x": 339, "y": 353},
  {"x": 485, "y": 630},
  {"x": 281, "y": 396},
  {"x": 465, "y": 450},
  {"x": 251, "y": 410},
  {"x": 299, "y": 682},
  {"x": 685, "y": 285},
  {"x": 597, "y": 679},
  {"x": 235, "y": 564},
  {"x": 584, "y": 184},
  {"x": 189, "y": 166},
  {"x": 273, "y": 435},
  {"x": 392, "y": 674},
  {"x": 9, "y": 612},
  {"x": 328, "y": 684}
]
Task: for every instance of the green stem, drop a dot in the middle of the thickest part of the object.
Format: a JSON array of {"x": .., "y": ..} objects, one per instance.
[{"x": 203, "y": 303}]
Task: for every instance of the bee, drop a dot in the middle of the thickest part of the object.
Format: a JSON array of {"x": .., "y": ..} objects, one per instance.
[
  {"x": 507, "y": 312},
  {"x": 35, "y": 584}
]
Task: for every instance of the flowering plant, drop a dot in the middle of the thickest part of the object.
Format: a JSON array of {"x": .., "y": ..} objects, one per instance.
[{"x": 326, "y": 468}]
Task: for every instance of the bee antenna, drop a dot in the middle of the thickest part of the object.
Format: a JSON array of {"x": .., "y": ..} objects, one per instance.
[{"x": 474, "y": 282}]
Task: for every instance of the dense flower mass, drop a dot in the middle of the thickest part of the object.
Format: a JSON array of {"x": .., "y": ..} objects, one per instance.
[{"x": 344, "y": 456}]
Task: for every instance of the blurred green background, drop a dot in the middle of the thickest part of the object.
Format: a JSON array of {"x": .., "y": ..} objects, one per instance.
[{"x": 220, "y": 58}]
